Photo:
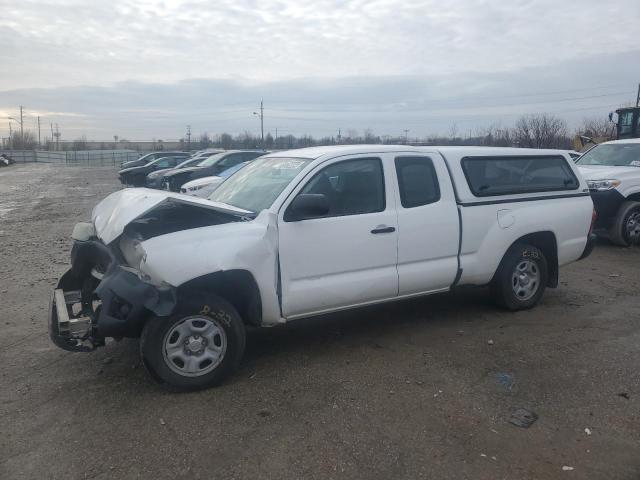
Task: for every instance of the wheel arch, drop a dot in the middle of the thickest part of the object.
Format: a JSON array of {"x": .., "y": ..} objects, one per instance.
[
  {"x": 547, "y": 243},
  {"x": 237, "y": 287}
]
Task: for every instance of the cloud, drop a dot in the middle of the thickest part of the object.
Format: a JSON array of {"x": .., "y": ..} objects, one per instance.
[
  {"x": 75, "y": 42},
  {"x": 147, "y": 68},
  {"x": 387, "y": 104}
]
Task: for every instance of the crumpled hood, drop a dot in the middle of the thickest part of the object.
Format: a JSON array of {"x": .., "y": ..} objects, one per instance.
[
  {"x": 604, "y": 172},
  {"x": 115, "y": 212}
]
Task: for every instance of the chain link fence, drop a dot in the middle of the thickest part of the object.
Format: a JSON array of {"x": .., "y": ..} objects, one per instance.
[{"x": 86, "y": 157}]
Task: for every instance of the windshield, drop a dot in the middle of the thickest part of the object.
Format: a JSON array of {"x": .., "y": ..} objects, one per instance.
[
  {"x": 256, "y": 186},
  {"x": 612, "y": 155},
  {"x": 212, "y": 160}
]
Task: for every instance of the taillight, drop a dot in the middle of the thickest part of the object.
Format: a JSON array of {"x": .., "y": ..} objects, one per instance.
[{"x": 594, "y": 217}]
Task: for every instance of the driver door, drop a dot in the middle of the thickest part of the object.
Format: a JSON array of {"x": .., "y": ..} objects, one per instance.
[{"x": 348, "y": 256}]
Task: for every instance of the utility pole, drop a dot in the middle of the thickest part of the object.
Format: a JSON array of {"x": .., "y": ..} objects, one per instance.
[
  {"x": 188, "y": 138},
  {"x": 406, "y": 136},
  {"x": 57, "y": 135},
  {"x": 638, "y": 97},
  {"x": 339, "y": 136},
  {"x": 51, "y": 133},
  {"x": 39, "y": 131},
  {"x": 21, "y": 127},
  {"x": 261, "y": 116}
]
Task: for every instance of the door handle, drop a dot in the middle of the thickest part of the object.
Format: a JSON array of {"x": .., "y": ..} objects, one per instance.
[{"x": 383, "y": 229}]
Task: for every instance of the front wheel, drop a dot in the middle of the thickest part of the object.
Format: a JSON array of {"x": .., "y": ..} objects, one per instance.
[
  {"x": 625, "y": 230},
  {"x": 196, "y": 348},
  {"x": 521, "y": 278}
]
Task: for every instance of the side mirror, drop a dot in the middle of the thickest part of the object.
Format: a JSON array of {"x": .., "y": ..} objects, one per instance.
[{"x": 307, "y": 205}]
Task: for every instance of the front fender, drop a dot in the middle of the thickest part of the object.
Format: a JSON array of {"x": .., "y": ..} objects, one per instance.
[{"x": 180, "y": 257}]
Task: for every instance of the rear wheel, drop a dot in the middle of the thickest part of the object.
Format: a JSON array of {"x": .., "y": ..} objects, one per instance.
[
  {"x": 196, "y": 348},
  {"x": 625, "y": 230},
  {"x": 521, "y": 278}
]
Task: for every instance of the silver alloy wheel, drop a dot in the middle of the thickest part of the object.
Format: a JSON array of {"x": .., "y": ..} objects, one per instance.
[
  {"x": 194, "y": 346},
  {"x": 525, "y": 280},
  {"x": 633, "y": 228}
]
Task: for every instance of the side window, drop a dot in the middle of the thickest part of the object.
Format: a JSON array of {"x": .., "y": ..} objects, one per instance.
[
  {"x": 352, "y": 187},
  {"x": 488, "y": 176},
  {"x": 417, "y": 180},
  {"x": 164, "y": 163}
]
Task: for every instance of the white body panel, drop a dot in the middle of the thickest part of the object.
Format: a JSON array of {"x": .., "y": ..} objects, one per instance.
[
  {"x": 485, "y": 241},
  {"x": 178, "y": 257},
  {"x": 336, "y": 262},
  {"x": 428, "y": 238}
]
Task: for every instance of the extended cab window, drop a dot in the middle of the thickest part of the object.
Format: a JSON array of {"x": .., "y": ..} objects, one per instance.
[
  {"x": 489, "y": 176},
  {"x": 417, "y": 180},
  {"x": 352, "y": 187}
]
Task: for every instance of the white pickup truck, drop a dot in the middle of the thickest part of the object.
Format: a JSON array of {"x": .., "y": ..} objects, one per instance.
[
  {"x": 311, "y": 231},
  {"x": 612, "y": 171}
]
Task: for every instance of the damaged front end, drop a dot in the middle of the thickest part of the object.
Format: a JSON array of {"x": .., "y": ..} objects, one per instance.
[
  {"x": 101, "y": 297},
  {"x": 107, "y": 292}
]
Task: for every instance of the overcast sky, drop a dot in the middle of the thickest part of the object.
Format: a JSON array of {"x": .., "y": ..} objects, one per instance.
[{"x": 144, "y": 69}]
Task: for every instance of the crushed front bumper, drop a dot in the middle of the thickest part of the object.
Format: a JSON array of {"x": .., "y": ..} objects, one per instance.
[{"x": 99, "y": 297}]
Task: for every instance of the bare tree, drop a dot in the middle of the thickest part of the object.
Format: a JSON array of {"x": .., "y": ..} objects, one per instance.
[
  {"x": 226, "y": 141},
  {"x": 205, "y": 141},
  {"x": 79, "y": 143},
  {"x": 541, "y": 131},
  {"x": 597, "y": 128},
  {"x": 26, "y": 141}
]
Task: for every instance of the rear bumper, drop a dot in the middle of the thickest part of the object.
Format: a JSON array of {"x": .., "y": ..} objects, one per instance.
[{"x": 85, "y": 309}]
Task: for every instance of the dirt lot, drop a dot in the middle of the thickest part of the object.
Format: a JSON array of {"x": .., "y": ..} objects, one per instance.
[{"x": 420, "y": 389}]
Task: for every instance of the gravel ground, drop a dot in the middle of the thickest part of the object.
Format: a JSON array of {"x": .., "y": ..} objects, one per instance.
[{"x": 418, "y": 389}]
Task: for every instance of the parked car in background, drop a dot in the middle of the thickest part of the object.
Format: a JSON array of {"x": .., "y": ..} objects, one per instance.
[
  {"x": 207, "y": 152},
  {"x": 149, "y": 157},
  {"x": 6, "y": 160},
  {"x": 612, "y": 171},
  {"x": 137, "y": 176},
  {"x": 312, "y": 231},
  {"x": 203, "y": 187},
  {"x": 213, "y": 165},
  {"x": 154, "y": 179}
]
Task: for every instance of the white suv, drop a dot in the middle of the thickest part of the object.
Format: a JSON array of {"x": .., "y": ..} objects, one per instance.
[
  {"x": 311, "y": 231},
  {"x": 612, "y": 171}
]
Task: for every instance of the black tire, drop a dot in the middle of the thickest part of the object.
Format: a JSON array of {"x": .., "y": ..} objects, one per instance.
[
  {"x": 502, "y": 286},
  {"x": 621, "y": 232},
  {"x": 211, "y": 308}
]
